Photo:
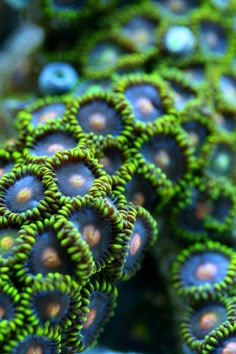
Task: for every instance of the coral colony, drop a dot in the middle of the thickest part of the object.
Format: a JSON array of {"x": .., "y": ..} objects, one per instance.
[{"x": 131, "y": 123}]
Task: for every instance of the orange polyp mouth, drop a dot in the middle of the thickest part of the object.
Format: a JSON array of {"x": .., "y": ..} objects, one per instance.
[
  {"x": 193, "y": 138},
  {"x": 206, "y": 271},
  {"x": 50, "y": 258},
  {"x": 177, "y": 6},
  {"x": 97, "y": 121},
  {"x": 2, "y": 312},
  {"x": 91, "y": 235},
  {"x": 138, "y": 199},
  {"x": 7, "y": 242},
  {"x": 208, "y": 320},
  {"x": 53, "y": 309},
  {"x": 24, "y": 195},
  {"x": 229, "y": 348},
  {"x": 90, "y": 318},
  {"x": 46, "y": 116},
  {"x": 105, "y": 161},
  {"x": 52, "y": 149},
  {"x": 35, "y": 350},
  {"x": 77, "y": 180},
  {"x": 203, "y": 209},
  {"x": 144, "y": 105},
  {"x": 162, "y": 159},
  {"x": 135, "y": 244}
]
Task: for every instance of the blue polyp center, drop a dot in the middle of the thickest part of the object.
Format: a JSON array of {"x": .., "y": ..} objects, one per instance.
[
  {"x": 57, "y": 78},
  {"x": 25, "y": 194},
  {"x": 111, "y": 160},
  {"x": 95, "y": 229},
  {"x": 100, "y": 118},
  {"x": 137, "y": 243},
  {"x": 52, "y": 306},
  {"x": 139, "y": 191},
  {"x": 207, "y": 318},
  {"x": 206, "y": 267},
  {"x": 48, "y": 256},
  {"x": 213, "y": 39},
  {"x": 53, "y": 142},
  {"x": 145, "y": 102},
  {"x": 141, "y": 31},
  {"x": 50, "y": 112},
  {"x": 164, "y": 152},
  {"x": 74, "y": 179},
  {"x": 59, "y": 74},
  {"x": 33, "y": 343},
  {"x": 197, "y": 135},
  {"x": 100, "y": 307},
  {"x": 194, "y": 215}
]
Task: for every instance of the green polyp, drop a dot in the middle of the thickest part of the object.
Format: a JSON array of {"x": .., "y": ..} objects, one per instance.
[
  {"x": 195, "y": 276},
  {"x": 45, "y": 247},
  {"x": 53, "y": 300},
  {"x": 81, "y": 217},
  {"x": 98, "y": 300}
]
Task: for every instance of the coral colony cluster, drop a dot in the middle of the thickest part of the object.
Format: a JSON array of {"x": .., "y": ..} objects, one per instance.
[{"x": 131, "y": 124}]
